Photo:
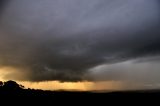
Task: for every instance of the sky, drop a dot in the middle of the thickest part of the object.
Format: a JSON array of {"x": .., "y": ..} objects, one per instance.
[{"x": 95, "y": 44}]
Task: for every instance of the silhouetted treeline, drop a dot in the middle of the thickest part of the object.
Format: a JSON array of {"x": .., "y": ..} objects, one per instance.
[{"x": 11, "y": 88}]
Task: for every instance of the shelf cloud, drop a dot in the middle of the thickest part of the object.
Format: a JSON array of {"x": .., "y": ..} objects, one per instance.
[{"x": 65, "y": 40}]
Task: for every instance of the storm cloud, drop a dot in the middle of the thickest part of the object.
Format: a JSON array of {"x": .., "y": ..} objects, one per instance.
[{"x": 66, "y": 39}]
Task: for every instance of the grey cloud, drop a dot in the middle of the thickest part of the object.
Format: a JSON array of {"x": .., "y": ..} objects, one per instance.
[
  {"x": 62, "y": 40},
  {"x": 132, "y": 71}
]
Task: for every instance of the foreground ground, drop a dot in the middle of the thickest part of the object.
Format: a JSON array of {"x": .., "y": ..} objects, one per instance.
[{"x": 12, "y": 89}]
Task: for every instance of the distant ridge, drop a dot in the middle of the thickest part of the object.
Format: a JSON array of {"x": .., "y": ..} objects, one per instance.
[{"x": 11, "y": 88}]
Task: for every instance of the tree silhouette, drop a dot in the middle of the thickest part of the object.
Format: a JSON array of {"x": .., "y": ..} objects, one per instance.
[
  {"x": 1, "y": 83},
  {"x": 12, "y": 85}
]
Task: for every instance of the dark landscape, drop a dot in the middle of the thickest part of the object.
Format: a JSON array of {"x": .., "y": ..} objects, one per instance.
[{"x": 11, "y": 88}]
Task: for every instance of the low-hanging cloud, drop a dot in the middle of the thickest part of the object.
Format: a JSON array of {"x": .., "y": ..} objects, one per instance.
[
  {"x": 131, "y": 70},
  {"x": 63, "y": 40}
]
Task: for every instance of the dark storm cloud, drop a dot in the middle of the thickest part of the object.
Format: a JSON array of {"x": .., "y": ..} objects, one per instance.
[
  {"x": 3, "y": 3},
  {"x": 62, "y": 40}
]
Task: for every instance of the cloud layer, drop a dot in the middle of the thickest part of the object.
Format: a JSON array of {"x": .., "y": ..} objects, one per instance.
[{"x": 64, "y": 40}]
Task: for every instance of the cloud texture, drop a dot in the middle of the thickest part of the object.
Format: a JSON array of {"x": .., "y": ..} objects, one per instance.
[{"x": 65, "y": 40}]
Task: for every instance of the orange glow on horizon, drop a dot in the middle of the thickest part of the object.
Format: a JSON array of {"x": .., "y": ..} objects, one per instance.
[
  {"x": 79, "y": 86},
  {"x": 56, "y": 85}
]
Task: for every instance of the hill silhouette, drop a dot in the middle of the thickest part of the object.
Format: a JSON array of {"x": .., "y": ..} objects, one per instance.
[{"x": 12, "y": 88}]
